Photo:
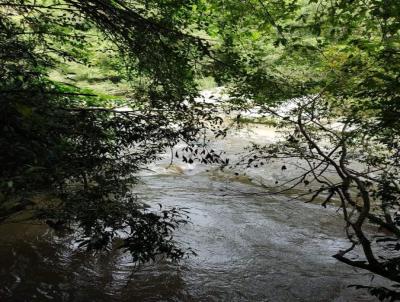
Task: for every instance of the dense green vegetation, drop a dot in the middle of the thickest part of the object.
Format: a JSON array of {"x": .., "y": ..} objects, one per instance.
[{"x": 69, "y": 157}]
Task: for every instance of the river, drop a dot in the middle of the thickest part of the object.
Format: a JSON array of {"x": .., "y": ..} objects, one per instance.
[{"x": 251, "y": 247}]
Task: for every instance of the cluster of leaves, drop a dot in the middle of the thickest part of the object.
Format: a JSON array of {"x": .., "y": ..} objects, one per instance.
[
  {"x": 72, "y": 164},
  {"x": 192, "y": 153}
]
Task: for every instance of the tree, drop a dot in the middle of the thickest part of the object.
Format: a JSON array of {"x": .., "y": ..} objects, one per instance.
[
  {"x": 338, "y": 62},
  {"x": 68, "y": 155}
]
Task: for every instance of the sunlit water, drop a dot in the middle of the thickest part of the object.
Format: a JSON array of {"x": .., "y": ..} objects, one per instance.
[{"x": 251, "y": 247}]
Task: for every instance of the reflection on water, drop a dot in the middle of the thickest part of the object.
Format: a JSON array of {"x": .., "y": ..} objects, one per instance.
[{"x": 250, "y": 248}]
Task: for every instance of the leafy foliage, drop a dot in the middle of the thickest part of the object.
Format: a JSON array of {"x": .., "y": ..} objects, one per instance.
[
  {"x": 336, "y": 63},
  {"x": 71, "y": 146}
]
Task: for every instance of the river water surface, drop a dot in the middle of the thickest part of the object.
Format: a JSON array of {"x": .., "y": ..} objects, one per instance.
[{"x": 251, "y": 247}]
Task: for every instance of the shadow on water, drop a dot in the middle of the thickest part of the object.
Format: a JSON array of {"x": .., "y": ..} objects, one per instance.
[{"x": 42, "y": 270}]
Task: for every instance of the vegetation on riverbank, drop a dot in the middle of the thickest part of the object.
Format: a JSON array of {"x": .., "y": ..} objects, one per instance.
[
  {"x": 268, "y": 121},
  {"x": 66, "y": 66}
]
